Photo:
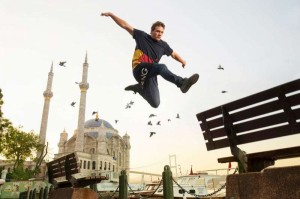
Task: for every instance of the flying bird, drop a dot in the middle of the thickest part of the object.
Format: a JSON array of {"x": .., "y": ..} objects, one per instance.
[
  {"x": 152, "y": 115},
  {"x": 169, "y": 120},
  {"x": 220, "y": 67},
  {"x": 150, "y": 123},
  {"x": 62, "y": 63},
  {"x": 94, "y": 112},
  {"x": 76, "y": 82},
  {"x": 152, "y": 133},
  {"x": 127, "y": 106},
  {"x": 73, "y": 104},
  {"x": 131, "y": 102},
  {"x": 224, "y": 91},
  {"x": 158, "y": 123},
  {"x": 177, "y": 116},
  {"x": 116, "y": 121}
]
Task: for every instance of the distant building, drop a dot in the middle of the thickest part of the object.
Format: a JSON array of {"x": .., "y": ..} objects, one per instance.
[{"x": 103, "y": 148}]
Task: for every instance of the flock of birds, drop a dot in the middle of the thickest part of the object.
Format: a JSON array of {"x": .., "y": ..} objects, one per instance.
[
  {"x": 149, "y": 123},
  {"x": 221, "y": 68},
  {"x": 158, "y": 122},
  {"x": 131, "y": 103}
]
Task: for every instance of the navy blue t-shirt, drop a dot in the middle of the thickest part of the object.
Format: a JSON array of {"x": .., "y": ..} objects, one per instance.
[{"x": 148, "y": 49}]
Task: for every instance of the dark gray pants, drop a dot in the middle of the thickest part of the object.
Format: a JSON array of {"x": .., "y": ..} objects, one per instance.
[{"x": 146, "y": 75}]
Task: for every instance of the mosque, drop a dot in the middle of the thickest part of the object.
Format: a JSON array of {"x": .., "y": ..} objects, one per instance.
[{"x": 98, "y": 145}]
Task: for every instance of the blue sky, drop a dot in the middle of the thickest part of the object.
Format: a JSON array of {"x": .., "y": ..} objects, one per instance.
[{"x": 257, "y": 42}]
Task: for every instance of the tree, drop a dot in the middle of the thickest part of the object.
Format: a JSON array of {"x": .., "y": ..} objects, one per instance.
[
  {"x": 4, "y": 123},
  {"x": 19, "y": 145}
]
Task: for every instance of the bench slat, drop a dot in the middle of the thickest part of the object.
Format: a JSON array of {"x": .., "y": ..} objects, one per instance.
[
  {"x": 63, "y": 173},
  {"x": 256, "y": 136}
]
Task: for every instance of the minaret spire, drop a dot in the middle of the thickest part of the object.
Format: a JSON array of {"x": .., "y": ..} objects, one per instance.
[
  {"x": 51, "y": 70},
  {"x": 47, "y": 96},
  {"x": 85, "y": 61},
  {"x": 83, "y": 85}
]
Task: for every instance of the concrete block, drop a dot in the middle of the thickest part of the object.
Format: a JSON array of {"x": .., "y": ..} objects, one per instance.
[
  {"x": 73, "y": 193},
  {"x": 281, "y": 182},
  {"x": 243, "y": 186}
]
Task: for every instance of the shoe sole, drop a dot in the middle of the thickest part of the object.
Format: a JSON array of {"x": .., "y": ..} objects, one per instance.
[{"x": 192, "y": 80}]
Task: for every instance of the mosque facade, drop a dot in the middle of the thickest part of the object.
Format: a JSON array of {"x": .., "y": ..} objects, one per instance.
[{"x": 104, "y": 150}]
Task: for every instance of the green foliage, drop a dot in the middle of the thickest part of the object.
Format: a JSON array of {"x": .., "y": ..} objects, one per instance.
[
  {"x": 1, "y": 102},
  {"x": 4, "y": 123},
  {"x": 21, "y": 174},
  {"x": 19, "y": 145}
]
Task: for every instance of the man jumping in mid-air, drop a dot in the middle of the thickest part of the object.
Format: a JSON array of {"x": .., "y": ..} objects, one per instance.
[{"x": 145, "y": 62}]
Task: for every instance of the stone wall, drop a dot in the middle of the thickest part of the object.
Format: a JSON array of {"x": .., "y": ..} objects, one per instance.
[{"x": 272, "y": 183}]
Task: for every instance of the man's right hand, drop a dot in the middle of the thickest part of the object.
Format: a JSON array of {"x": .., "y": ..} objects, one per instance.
[
  {"x": 123, "y": 24},
  {"x": 106, "y": 14},
  {"x": 183, "y": 63}
]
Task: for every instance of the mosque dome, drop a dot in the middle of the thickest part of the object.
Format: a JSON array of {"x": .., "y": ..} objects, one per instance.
[{"x": 92, "y": 123}]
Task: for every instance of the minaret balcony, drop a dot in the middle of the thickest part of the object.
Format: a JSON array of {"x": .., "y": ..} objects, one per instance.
[
  {"x": 48, "y": 94},
  {"x": 84, "y": 86}
]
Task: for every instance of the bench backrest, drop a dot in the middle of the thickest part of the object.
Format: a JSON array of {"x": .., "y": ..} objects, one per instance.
[
  {"x": 63, "y": 167},
  {"x": 268, "y": 114}
]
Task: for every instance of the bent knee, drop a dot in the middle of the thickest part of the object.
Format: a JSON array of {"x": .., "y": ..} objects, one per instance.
[
  {"x": 154, "y": 103},
  {"x": 163, "y": 66}
]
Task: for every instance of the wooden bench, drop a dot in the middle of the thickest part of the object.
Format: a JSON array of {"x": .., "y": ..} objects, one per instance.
[
  {"x": 272, "y": 113},
  {"x": 66, "y": 166}
]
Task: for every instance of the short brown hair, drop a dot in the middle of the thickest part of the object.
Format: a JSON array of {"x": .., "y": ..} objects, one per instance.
[{"x": 158, "y": 23}]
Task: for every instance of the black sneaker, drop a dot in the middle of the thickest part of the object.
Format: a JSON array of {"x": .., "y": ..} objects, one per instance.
[
  {"x": 135, "y": 88},
  {"x": 188, "y": 82}
]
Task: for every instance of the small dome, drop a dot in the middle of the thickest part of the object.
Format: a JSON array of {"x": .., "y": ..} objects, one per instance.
[{"x": 97, "y": 123}]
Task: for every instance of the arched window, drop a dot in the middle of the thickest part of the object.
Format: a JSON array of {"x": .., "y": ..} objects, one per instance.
[
  {"x": 94, "y": 165},
  {"x": 120, "y": 159}
]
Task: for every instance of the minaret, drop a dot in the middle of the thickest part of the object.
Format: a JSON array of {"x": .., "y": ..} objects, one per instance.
[
  {"x": 47, "y": 95},
  {"x": 126, "y": 139},
  {"x": 63, "y": 139},
  {"x": 83, "y": 85}
]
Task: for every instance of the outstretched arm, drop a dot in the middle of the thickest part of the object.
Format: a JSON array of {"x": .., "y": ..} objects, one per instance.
[
  {"x": 178, "y": 58},
  {"x": 123, "y": 24}
]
